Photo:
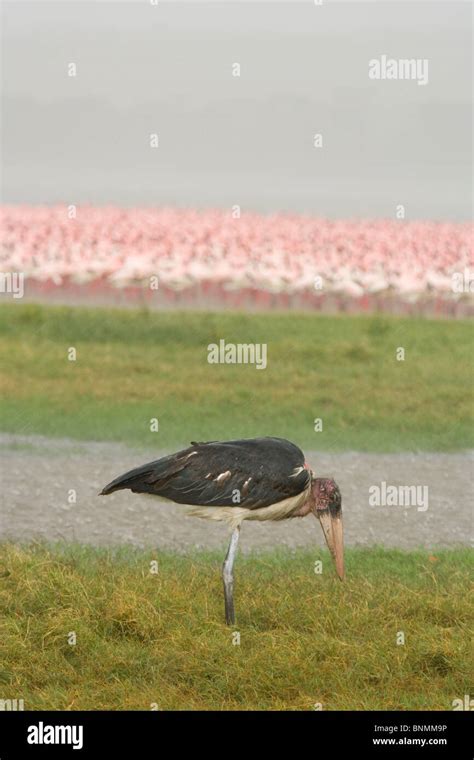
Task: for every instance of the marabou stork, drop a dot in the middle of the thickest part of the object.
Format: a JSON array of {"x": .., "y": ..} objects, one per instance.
[{"x": 249, "y": 479}]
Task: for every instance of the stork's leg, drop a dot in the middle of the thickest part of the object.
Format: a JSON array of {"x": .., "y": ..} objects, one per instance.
[{"x": 228, "y": 577}]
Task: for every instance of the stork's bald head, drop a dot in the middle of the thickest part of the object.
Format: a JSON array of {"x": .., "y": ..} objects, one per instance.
[{"x": 327, "y": 495}]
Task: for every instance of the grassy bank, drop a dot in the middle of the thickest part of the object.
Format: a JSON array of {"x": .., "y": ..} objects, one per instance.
[
  {"x": 135, "y": 366},
  {"x": 147, "y": 639}
]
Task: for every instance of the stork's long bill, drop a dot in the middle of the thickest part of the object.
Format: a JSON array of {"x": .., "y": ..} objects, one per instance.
[
  {"x": 327, "y": 508},
  {"x": 249, "y": 479}
]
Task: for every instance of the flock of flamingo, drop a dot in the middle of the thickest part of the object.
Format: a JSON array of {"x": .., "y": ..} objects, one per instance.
[{"x": 275, "y": 259}]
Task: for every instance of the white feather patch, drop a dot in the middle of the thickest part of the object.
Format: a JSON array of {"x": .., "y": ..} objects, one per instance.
[
  {"x": 296, "y": 472},
  {"x": 223, "y": 477},
  {"x": 234, "y": 516}
]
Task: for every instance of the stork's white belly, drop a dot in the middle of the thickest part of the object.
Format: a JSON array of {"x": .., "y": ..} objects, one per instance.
[{"x": 235, "y": 515}]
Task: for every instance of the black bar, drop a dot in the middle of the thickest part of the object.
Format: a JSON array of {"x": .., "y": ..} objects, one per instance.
[{"x": 166, "y": 734}]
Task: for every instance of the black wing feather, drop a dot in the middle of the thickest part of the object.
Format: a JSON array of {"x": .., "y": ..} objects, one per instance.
[{"x": 260, "y": 470}]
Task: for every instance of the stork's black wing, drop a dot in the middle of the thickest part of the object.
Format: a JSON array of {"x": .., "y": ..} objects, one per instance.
[{"x": 251, "y": 473}]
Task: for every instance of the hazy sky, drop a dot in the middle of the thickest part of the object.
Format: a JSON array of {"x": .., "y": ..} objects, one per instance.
[{"x": 247, "y": 140}]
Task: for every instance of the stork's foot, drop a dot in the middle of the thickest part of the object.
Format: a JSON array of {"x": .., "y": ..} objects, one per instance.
[{"x": 228, "y": 578}]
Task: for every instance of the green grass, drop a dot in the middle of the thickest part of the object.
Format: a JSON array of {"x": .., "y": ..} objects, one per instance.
[
  {"x": 135, "y": 365},
  {"x": 144, "y": 638}
]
